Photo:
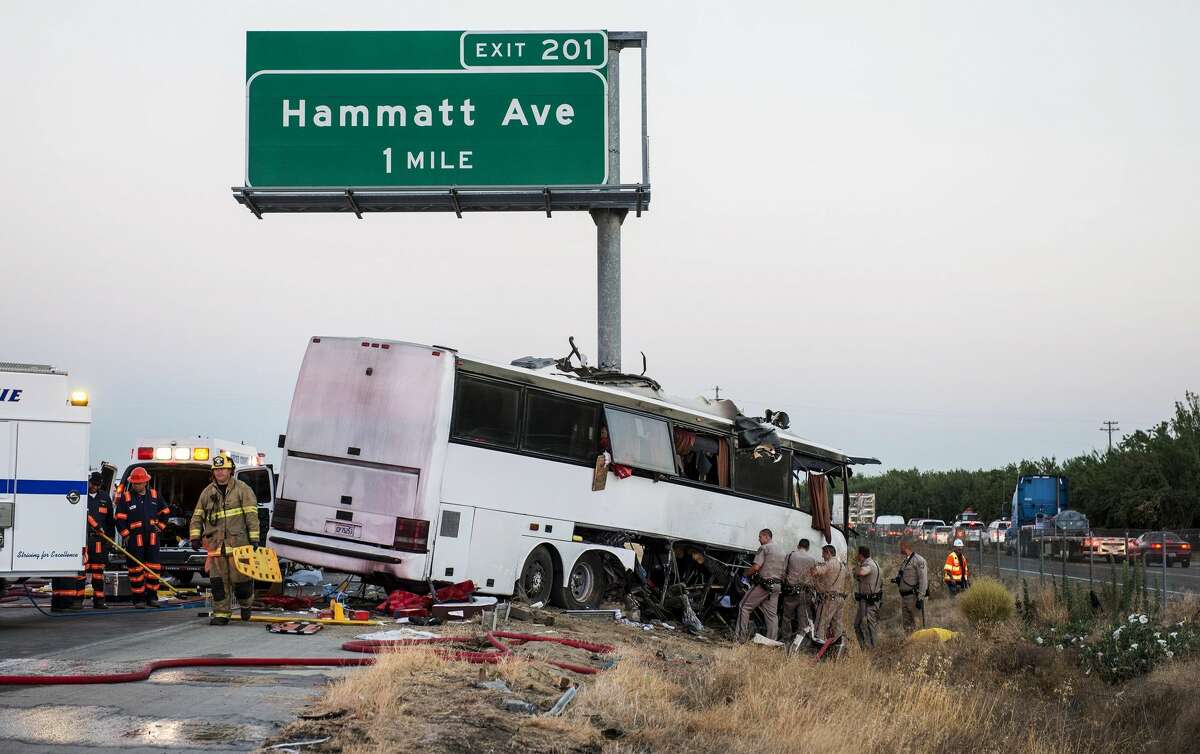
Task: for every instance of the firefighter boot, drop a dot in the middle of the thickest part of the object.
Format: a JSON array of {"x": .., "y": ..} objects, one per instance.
[
  {"x": 220, "y": 601},
  {"x": 98, "y": 601},
  {"x": 245, "y": 595}
]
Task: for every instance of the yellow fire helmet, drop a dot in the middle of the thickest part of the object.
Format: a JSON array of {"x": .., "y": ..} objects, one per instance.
[{"x": 222, "y": 461}]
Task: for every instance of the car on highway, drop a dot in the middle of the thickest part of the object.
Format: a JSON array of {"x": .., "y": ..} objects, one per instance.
[
  {"x": 1149, "y": 547},
  {"x": 928, "y": 525},
  {"x": 998, "y": 530},
  {"x": 969, "y": 531},
  {"x": 941, "y": 535}
]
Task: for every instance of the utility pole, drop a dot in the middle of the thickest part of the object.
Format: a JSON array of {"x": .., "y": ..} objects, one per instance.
[
  {"x": 608, "y": 232},
  {"x": 1110, "y": 426}
]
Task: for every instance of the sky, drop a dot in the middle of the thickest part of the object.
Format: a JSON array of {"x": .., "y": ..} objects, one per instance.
[{"x": 948, "y": 235}]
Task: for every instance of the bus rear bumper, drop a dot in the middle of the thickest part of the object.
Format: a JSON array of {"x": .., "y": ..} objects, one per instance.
[{"x": 347, "y": 557}]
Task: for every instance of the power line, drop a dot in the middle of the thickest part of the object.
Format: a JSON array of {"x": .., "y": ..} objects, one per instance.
[{"x": 1110, "y": 426}]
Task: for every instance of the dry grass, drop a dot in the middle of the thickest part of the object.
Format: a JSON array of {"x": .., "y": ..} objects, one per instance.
[
  {"x": 750, "y": 700},
  {"x": 987, "y": 691}
]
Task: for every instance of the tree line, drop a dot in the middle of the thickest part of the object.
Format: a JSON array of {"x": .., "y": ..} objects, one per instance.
[{"x": 1150, "y": 479}]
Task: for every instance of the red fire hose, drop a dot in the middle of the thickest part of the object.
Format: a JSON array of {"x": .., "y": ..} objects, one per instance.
[{"x": 371, "y": 647}]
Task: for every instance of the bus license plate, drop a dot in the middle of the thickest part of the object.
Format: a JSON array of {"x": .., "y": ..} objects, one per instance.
[{"x": 343, "y": 529}]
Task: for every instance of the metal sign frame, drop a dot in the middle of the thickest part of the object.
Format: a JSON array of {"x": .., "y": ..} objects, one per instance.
[{"x": 358, "y": 200}]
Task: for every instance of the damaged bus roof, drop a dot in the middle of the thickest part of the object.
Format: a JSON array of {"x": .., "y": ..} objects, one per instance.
[{"x": 702, "y": 413}]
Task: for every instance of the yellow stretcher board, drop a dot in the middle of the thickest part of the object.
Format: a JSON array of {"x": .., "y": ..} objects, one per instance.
[{"x": 259, "y": 563}]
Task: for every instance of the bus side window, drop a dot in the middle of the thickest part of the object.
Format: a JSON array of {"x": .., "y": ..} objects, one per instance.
[
  {"x": 703, "y": 457},
  {"x": 486, "y": 412},
  {"x": 639, "y": 441},
  {"x": 560, "y": 426},
  {"x": 762, "y": 477}
]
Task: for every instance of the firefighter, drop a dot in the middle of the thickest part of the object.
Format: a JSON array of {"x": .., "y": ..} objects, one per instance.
[
  {"x": 226, "y": 517},
  {"x": 913, "y": 581},
  {"x": 797, "y": 591},
  {"x": 956, "y": 574},
  {"x": 100, "y": 518},
  {"x": 868, "y": 593},
  {"x": 766, "y": 575},
  {"x": 141, "y": 517}
]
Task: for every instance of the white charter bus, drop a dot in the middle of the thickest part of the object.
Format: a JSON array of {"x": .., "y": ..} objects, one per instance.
[{"x": 410, "y": 464}]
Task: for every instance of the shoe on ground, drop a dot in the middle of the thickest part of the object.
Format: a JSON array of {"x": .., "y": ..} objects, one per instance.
[
  {"x": 99, "y": 605},
  {"x": 246, "y": 614},
  {"x": 218, "y": 620}
]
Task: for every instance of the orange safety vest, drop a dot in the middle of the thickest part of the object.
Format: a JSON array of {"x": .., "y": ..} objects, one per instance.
[{"x": 956, "y": 569}]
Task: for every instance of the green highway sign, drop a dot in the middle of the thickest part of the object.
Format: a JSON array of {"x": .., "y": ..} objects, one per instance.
[{"x": 412, "y": 109}]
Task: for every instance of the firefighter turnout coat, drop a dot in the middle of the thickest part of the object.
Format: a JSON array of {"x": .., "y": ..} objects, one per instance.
[
  {"x": 225, "y": 520},
  {"x": 956, "y": 570}
]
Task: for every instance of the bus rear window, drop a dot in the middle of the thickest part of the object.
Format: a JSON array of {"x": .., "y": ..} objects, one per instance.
[
  {"x": 640, "y": 441},
  {"x": 486, "y": 412},
  {"x": 560, "y": 426}
]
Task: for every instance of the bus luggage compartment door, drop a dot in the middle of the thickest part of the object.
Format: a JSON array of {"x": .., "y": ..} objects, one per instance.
[{"x": 452, "y": 542}]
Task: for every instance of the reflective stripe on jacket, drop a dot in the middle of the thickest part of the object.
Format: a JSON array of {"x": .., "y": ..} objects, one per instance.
[
  {"x": 954, "y": 570},
  {"x": 136, "y": 511},
  {"x": 229, "y": 519}
]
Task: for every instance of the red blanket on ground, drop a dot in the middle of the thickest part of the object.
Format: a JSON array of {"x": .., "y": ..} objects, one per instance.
[{"x": 407, "y": 601}]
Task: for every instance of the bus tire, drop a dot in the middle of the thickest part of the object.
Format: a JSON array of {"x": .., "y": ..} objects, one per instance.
[
  {"x": 584, "y": 587},
  {"x": 537, "y": 576}
]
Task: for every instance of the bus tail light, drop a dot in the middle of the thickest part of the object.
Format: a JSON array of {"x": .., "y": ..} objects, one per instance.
[
  {"x": 284, "y": 517},
  {"x": 145, "y": 454},
  {"x": 412, "y": 534}
]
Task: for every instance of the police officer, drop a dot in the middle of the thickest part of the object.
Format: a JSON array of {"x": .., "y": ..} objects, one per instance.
[
  {"x": 226, "y": 517},
  {"x": 956, "y": 574},
  {"x": 829, "y": 582},
  {"x": 913, "y": 581},
  {"x": 766, "y": 575},
  {"x": 868, "y": 593},
  {"x": 100, "y": 518},
  {"x": 797, "y": 591},
  {"x": 142, "y": 516}
]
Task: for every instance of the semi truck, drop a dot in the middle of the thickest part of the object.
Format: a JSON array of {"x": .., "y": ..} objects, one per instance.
[{"x": 1042, "y": 522}]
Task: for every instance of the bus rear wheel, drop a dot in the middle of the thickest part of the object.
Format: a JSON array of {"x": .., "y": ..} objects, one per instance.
[
  {"x": 584, "y": 586},
  {"x": 537, "y": 576}
]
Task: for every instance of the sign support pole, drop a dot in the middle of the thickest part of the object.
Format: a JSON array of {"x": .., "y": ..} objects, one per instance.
[{"x": 608, "y": 233}]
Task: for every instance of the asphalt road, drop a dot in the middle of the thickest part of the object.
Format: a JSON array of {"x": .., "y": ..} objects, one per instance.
[
  {"x": 178, "y": 710},
  {"x": 1180, "y": 580}
]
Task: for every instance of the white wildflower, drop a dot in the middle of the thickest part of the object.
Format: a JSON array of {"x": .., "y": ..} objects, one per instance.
[
  {"x": 1162, "y": 642},
  {"x": 1170, "y": 654},
  {"x": 1133, "y": 646},
  {"x": 1117, "y": 633},
  {"x": 1144, "y": 619},
  {"x": 1058, "y": 647},
  {"x": 1038, "y": 640},
  {"x": 1133, "y": 617},
  {"x": 1173, "y": 634}
]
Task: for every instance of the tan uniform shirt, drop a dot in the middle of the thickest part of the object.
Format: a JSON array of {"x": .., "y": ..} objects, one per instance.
[
  {"x": 830, "y": 576},
  {"x": 770, "y": 558},
  {"x": 914, "y": 575},
  {"x": 868, "y": 580},
  {"x": 799, "y": 567}
]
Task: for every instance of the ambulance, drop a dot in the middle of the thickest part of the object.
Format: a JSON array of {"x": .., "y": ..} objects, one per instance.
[
  {"x": 180, "y": 469},
  {"x": 44, "y": 434}
]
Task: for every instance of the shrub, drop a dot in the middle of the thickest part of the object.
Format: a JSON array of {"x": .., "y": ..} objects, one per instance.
[
  {"x": 987, "y": 601},
  {"x": 1136, "y": 645}
]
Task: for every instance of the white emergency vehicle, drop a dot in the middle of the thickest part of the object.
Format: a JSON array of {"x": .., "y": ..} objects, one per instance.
[
  {"x": 44, "y": 435},
  {"x": 180, "y": 468},
  {"x": 408, "y": 463}
]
